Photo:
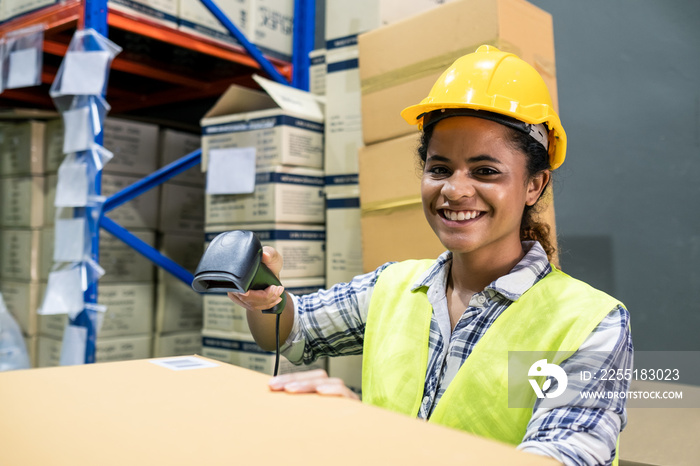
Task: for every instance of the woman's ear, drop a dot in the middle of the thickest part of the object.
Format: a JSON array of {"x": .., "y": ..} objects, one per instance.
[{"x": 536, "y": 186}]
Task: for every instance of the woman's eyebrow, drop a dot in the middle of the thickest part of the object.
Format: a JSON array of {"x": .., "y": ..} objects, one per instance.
[
  {"x": 483, "y": 158},
  {"x": 438, "y": 158}
]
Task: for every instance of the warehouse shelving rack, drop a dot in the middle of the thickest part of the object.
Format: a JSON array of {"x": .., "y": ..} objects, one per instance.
[{"x": 155, "y": 85}]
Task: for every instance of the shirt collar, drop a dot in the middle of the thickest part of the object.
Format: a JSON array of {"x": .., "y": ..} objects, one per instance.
[{"x": 531, "y": 268}]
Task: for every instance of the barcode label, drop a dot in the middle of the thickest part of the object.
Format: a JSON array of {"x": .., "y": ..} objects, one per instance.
[{"x": 184, "y": 363}]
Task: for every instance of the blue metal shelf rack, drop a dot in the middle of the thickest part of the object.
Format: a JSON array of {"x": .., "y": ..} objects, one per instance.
[{"x": 96, "y": 18}]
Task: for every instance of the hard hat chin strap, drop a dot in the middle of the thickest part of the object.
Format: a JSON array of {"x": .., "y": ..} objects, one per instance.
[{"x": 538, "y": 132}]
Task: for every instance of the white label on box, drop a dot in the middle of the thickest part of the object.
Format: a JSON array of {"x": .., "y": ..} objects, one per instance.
[
  {"x": 22, "y": 69},
  {"x": 84, "y": 73},
  {"x": 184, "y": 363},
  {"x": 291, "y": 99},
  {"x": 231, "y": 171}
]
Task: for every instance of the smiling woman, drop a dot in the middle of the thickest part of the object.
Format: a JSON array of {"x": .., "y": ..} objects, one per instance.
[{"x": 437, "y": 335}]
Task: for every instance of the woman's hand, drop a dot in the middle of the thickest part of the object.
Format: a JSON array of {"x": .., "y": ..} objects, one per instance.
[
  {"x": 258, "y": 300},
  {"x": 315, "y": 381}
]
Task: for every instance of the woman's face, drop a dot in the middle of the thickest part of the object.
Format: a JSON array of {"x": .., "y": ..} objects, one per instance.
[{"x": 475, "y": 186}]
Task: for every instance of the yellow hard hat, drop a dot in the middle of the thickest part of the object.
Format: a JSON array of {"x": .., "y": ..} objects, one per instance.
[{"x": 500, "y": 83}]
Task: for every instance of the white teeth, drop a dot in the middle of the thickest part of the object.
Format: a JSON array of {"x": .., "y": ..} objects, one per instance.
[{"x": 462, "y": 215}]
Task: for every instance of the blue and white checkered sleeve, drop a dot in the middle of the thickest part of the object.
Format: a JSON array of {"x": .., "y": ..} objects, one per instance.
[
  {"x": 331, "y": 322},
  {"x": 586, "y": 432}
]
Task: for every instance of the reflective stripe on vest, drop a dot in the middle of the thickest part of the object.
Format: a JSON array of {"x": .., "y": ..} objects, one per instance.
[{"x": 554, "y": 316}]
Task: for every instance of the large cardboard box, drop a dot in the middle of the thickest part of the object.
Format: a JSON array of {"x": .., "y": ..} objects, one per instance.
[
  {"x": 343, "y": 234},
  {"x": 283, "y": 124},
  {"x": 130, "y": 311},
  {"x": 317, "y": 72},
  {"x": 176, "y": 144},
  {"x": 144, "y": 403},
  {"x": 241, "y": 350},
  {"x": 140, "y": 212},
  {"x": 122, "y": 263},
  {"x": 196, "y": 19},
  {"x": 27, "y": 254},
  {"x": 106, "y": 349},
  {"x": 22, "y": 148},
  {"x": 23, "y": 201},
  {"x": 222, "y": 314},
  {"x": 160, "y": 11},
  {"x": 301, "y": 246},
  {"x": 134, "y": 145},
  {"x": 179, "y": 307},
  {"x": 281, "y": 195},
  {"x": 343, "y": 113},
  {"x": 177, "y": 344},
  {"x": 53, "y": 144},
  {"x": 17, "y": 8},
  {"x": 181, "y": 208},
  {"x": 345, "y": 20},
  {"x": 398, "y": 67}
]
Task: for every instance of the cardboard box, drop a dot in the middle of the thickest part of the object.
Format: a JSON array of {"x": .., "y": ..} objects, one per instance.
[
  {"x": 23, "y": 201},
  {"x": 134, "y": 145},
  {"x": 177, "y": 344},
  {"x": 343, "y": 234},
  {"x": 317, "y": 72},
  {"x": 122, "y": 263},
  {"x": 345, "y": 20},
  {"x": 140, "y": 212},
  {"x": 27, "y": 254},
  {"x": 181, "y": 208},
  {"x": 23, "y": 299},
  {"x": 399, "y": 67},
  {"x": 301, "y": 246},
  {"x": 17, "y": 8},
  {"x": 343, "y": 113},
  {"x": 284, "y": 125},
  {"x": 179, "y": 307},
  {"x": 30, "y": 343},
  {"x": 134, "y": 401},
  {"x": 241, "y": 350},
  {"x": 22, "y": 149},
  {"x": 106, "y": 349},
  {"x": 53, "y": 144},
  {"x": 282, "y": 195},
  {"x": 160, "y": 11},
  {"x": 130, "y": 311},
  {"x": 176, "y": 144},
  {"x": 222, "y": 314},
  {"x": 265, "y": 23}
]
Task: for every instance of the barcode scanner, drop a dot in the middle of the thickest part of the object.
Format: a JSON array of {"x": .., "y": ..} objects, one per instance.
[{"x": 233, "y": 262}]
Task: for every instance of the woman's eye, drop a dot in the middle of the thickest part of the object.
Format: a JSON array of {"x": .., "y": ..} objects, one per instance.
[
  {"x": 437, "y": 170},
  {"x": 486, "y": 171}
]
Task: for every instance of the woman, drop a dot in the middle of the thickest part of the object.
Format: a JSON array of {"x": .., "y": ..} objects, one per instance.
[{"x": 436, "y": 335}]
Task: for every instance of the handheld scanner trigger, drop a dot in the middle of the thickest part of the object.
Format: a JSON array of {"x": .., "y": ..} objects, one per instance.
[{"x": 233, "y": 262}]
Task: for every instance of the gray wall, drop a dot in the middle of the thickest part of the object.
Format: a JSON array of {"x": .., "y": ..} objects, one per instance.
[{"x": 628, "y": 196}]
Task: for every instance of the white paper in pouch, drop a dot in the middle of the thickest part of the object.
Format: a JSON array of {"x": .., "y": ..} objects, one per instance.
[
  {"x": 78, "y": 135},
  {"x": 84, "y": 73},
  {"x": 72, "y": 184},
  {"x": 231, "y": 171},
  {"x": 69, "y": 241},
  {"x": 22, "y": 69},
  {"x": 74, "y": 345},
  {"x": 64, "y": 293}
]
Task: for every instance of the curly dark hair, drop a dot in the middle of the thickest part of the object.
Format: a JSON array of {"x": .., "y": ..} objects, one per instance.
[{"x": 537, "y": 161}]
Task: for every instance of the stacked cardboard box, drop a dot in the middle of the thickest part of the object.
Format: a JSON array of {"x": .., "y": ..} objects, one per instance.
[
  {"x": 398, "y": 69},
  {"x": 344, "y": 22},
  {"x": 284, "y": 208},
  {"x": 11, "y": 9},
  {"x": 178, "y": 328}
]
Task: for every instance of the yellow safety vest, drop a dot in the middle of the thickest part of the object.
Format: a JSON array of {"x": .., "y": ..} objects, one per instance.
[{"x": 554, "y": 316}]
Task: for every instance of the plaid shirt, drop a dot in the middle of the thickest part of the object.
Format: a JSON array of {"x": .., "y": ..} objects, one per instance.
[{"x": 332, "y": 323}]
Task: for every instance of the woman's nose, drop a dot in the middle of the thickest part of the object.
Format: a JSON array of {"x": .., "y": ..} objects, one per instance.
[{"x": 457, "y": 186}]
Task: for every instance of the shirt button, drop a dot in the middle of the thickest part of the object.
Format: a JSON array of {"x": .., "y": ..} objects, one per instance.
[{"x": 480, "y": 299}]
